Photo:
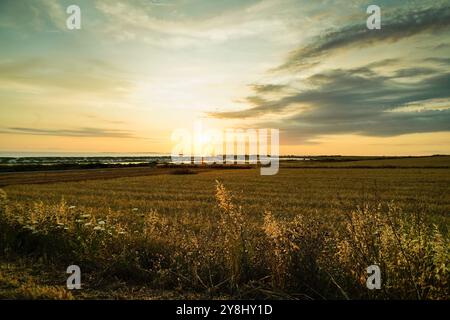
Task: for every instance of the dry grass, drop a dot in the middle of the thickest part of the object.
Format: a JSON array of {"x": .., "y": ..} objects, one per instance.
[
  {"x": 412, "y": 254},
  {"x": 247, "y": 236}
]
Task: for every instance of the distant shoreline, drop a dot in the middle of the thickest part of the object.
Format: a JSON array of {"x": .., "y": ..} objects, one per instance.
[
  {"x": 24, "y": 164},
  {"x": 12, "y": 154}
]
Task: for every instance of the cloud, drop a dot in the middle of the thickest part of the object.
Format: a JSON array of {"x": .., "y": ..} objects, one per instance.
[
  {"x": 399, "y": 26},
  {"x": 438, "y": 60},
  {"x": 267, "y": 88},
  {"x": 101, "y": 119},
  {"x": 194, "y": 23},
  {"x": 80, "y": 132},
  {"x": 40, "y": 15},
  {"x": 389, "y": 97},
  {"x": 442, "y": 46},
  {"x": 382, "y": 124},
  {"x": 88, "y": 76},
  {"x": 383, "y": 63},
  {"x": 359, "y": 101},
  {"x": 414, "y": 72}
]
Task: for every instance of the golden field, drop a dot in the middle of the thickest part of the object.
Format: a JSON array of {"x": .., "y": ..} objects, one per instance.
[{"x": 308, "y": 232}]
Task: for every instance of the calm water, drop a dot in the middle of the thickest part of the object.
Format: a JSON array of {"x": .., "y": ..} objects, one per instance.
[{"x": 13, "y": 154}]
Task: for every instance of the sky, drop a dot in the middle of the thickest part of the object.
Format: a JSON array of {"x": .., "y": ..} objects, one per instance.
[{"x": 139, "y": 69}]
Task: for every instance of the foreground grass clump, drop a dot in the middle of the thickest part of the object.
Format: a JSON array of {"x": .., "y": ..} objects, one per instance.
[
  {"x": 412, "y": 255},
  {"x": 229, "y": 252}
]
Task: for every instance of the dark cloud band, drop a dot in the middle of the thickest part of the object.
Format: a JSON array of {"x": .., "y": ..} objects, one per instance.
[{"x": 399, "y": 26}]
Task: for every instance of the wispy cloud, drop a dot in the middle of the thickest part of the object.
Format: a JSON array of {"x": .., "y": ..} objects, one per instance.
[
  {"x": 194, "y": 23},
  {"x": 79, "y": 132},
  {"x": 438, "y": 60},
  {"x": 442, "y": 46},
  {"x": 43, "y": 15},
  {"x": 399, "y": 25},
  {"x": 90, "y": 76},
  {"x": 267, "y": 88}
]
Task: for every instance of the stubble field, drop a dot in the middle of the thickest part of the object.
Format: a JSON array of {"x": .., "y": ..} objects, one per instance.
[{"x": 305, "y": 233}]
